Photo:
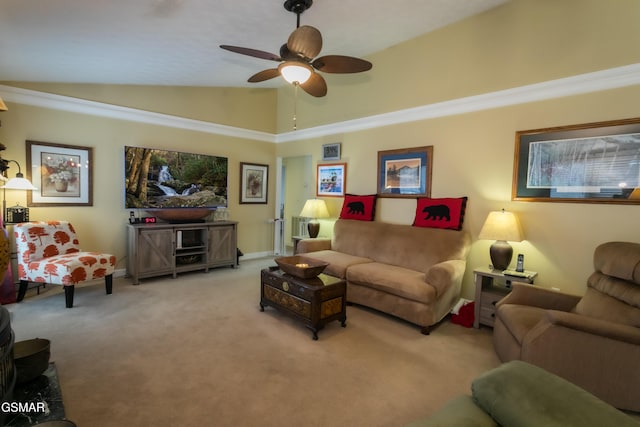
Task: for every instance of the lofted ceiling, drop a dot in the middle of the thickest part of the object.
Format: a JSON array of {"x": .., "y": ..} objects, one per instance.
[{"x": 176, "y": 42}]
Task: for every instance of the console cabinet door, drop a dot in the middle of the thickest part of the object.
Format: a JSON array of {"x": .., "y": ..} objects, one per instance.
[
  {"x": 222, "y": 245},
  {"x": 155, "y": 252}
]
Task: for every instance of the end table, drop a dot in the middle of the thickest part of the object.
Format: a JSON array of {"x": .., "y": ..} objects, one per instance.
[{"x": 491, "y": 287}]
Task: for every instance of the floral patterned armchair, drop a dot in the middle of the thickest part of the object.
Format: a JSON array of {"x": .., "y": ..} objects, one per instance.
[{"x": 49, "y": 252}]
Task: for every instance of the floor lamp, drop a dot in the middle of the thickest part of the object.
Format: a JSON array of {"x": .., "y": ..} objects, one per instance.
[{"x": 19, "y": 182}]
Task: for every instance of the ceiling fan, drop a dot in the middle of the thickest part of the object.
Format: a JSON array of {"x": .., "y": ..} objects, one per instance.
[{"x": 298, "y": 65}]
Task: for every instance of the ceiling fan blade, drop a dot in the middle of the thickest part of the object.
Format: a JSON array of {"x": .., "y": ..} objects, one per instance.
[
  {"x": 264, "y": 75},
  {"x": 252, "y": 52},
  {"x": 341, "y": 64},
  {"x": 305, "y": 41},
  {"x": 315, "y": 86}
]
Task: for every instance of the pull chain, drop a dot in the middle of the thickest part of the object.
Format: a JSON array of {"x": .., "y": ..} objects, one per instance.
[{"x": 295, "y": 105}]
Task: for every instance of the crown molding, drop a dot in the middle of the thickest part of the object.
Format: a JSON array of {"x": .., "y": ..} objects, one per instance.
[
  {"x": 613, "y": 78},
  {"x": 628, "y": 75},
  {"x": 76, "y": 105}
]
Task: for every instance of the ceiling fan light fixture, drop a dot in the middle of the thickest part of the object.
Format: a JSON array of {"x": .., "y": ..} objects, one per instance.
[{"x": 295, "y": 72}]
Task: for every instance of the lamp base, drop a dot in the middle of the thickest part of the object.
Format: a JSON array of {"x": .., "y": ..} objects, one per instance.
[
  {"x": 501, "y": 253},
  {"x": 314, "y": 229}
]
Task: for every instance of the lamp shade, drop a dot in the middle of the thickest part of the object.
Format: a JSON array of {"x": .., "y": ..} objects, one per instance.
[
  {"x": 315, "y": 208},
  {"x": 295, "y": 72},
  {"x": 501, "y": 225},
  {"x": 19, "y": 183}
]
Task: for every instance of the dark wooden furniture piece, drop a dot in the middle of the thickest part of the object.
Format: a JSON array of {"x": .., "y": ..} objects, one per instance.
[{"x": 315, "y": 302}]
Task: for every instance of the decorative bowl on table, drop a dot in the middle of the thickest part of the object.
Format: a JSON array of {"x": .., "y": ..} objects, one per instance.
[
  {"x": 300, "y": 266},
  {"x": 31, "y": 358}
]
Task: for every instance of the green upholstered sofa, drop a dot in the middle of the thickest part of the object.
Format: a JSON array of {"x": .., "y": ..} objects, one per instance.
[
  {"x": 409, "y": 272},
  {"x": 520, "y": 394}
]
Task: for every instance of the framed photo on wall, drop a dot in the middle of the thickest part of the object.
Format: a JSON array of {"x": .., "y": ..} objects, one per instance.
[
  {"x": 331, "y": 180},
  {"x": 405, "y": 172},
  {"x": 62, "y": 173},
  {"x": 587, "y": 163},
  {"x": 254, "y": 180},
  {"x": 331, "y": 151}
]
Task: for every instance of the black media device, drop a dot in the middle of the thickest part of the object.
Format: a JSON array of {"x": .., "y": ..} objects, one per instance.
[{"x": 520, "y": 263}]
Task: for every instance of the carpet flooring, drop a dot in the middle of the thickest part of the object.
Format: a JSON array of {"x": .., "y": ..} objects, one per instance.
[{"x": 196, "y": 350}]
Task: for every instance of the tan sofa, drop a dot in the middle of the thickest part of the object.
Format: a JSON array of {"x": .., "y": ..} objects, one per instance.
[
  {"x": 409, "y": 272},
  {"x": 593, "y": 341}
]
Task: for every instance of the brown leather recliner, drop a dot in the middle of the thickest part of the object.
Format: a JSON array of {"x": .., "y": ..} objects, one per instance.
[{"x": 593, "y": 341}]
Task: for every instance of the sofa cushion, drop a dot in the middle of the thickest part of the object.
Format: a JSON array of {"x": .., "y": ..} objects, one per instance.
[
  {"x": 520, "y": 319},
  {"x": 393, "y": 280},
  {"x": 360, "y": 208},
  {"x": 520, "y": 394},
  {"x": 440, "y": 213},
  {"x": 338, "y": 262},
  {"x": 618, "y": 259},
  {"x": 610, "y": 299},
  {"x": 399, "y": 244}
]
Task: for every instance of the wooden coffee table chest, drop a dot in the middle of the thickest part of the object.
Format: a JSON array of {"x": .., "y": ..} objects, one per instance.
[{"x": 315, "y": 302}]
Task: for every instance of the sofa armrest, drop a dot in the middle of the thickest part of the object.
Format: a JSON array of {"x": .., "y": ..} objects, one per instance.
[
  {"x": 445, "y": 274},
  {"x": 520, "y": 394},
  {"x": 594, "y": 326},
  {"x": 458, "y": 412},
  {"x": 313, "y": 245},
  {"x": 524, "y": 294}
]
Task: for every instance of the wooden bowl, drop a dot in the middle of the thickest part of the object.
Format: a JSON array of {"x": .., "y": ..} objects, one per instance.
[
  {"x": 31, "y": 358},
  {"x": 300, "y": 266}
]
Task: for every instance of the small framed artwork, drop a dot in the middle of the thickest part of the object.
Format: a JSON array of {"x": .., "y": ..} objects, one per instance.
[
  {"x": 331, "y": 180},
  {"x": 253, "y": 183},
  {"x": 405, "y": 172},
  {"x": 331, "y": 151},
  {"x": 587, "y": 163},
  {"x": 62, "y": 173}
]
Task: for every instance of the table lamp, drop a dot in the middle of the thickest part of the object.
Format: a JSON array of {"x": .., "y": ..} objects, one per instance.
[
  {"x": 501, "y": 226},
  {"x": 314, "y": 209}
]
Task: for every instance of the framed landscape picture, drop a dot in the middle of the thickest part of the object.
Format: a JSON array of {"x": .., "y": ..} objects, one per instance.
[
  {"x": 405, "y": 172},
  {"x": 587, "y": 163}
]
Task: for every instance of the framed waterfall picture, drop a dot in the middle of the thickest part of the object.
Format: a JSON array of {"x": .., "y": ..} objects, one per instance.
[
  {"x": 62, "y": 174},
  {"x": 253, "y": 183}
]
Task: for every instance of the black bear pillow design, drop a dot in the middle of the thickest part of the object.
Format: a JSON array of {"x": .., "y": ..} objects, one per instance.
[
  {"x": 440, "y": 213},
  {"x": 362, "y": 208}
]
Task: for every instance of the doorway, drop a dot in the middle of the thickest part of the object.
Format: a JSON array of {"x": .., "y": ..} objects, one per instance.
[{"x": 295, "y": 186}]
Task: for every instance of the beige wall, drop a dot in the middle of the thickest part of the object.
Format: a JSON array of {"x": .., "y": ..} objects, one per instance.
[
  {"x": 520, "y": 43},
  {"x": 247, "y": 108},
  {"x": 523, "y": 42},
  {"x": 473, "y": 156},
  {"x": 102, "y": 226}
]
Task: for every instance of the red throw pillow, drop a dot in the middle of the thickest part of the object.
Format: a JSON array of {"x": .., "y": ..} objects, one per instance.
[
  {"x": 362, "y": 208},
  {"x": 440, "y": 213}
]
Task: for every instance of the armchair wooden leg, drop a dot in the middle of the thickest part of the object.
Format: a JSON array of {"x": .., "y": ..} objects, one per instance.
[
  {"x": 108, "y": 283},
  {"x": 22, "y": 290},
  {"x": 68, "y": 295}
]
